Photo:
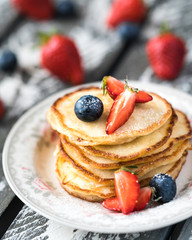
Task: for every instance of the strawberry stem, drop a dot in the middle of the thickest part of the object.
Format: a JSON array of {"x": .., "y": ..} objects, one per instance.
[
  {"x": 127, "y": 169},
  {"x": 135, "y": 90},
  {"x": 104, "y": 85},
  {"x": 43, "y": 37},
  {"x": 164, "y": 28}
]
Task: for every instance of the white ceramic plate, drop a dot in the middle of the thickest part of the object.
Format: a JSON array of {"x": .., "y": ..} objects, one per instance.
[{"x": 28, "y": 164}]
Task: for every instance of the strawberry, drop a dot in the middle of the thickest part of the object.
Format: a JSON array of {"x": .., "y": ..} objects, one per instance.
[
  {"x": 127, "y": 190},
  {"x": 36, "y": 9},
  {"x": 114, "y": 87},
  {"x": 166, "y": 53},
  {"x": 121, "y": 110},
  {"x": 61, "y": 57},
  {"x": 2, "y": 110},
  {"x": 112, "y": 204},
  {"x": 126, "y": 11},
  {"x": 143, "y": 199}
]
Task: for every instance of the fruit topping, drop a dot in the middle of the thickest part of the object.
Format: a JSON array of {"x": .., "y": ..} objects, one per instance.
[
  {"x": 8, "y": 61},
  {"x": 112, "y": 204},
  {"x": 88, "y": 108},
  {"x": 114, "y": 87},
  {"x": 164, "y": 187},
  {"x": 36, "y": 9},
  {"x": 61, "y": 57},
  {"x": 166, "y": 53},
  {"x": 121, "y": 110},
  {"x": 143, "y": 199},
  {"x": 128, "y": 31},
  {"x": 126, "y": 11},
  {"x": 2, "y": 110},
  {"x": 65, "y": 9},
  {"x": 126, "y": 189}
]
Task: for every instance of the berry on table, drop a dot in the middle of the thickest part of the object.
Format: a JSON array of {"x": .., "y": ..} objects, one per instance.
[
  {"x": 126, "y": 11},
  {"x": 61, "y": 57},
  {"x": 8, "y": 61},
  {"x": 65, "y": 9},
  {"x": 36, "y": 9},
  {"x": 128, "y": 31},
  {"x": 88, "y": 108},
  {"x": 164, "y": 187},
  {"x": 166, "y": 53},
  {"x": 2, "y": 110}
]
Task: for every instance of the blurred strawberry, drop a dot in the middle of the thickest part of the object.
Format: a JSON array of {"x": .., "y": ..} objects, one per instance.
[
  {"x": 36, "y": 9},
  {"x": 126, "y": 11},
  {"x": 166, "y": 53},
  {"x": 61, "y": 57},
  {"x": 2, "y": 110}
]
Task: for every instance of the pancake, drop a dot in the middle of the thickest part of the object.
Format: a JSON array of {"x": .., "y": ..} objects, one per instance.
[
  {"x": 146, "y": 118},
  {"x": 177, "y": 153},
  {"x": 86, "y": 170},
  {"x": 173, "y": 169},
  {"x": 154, "y": 140},
  {"x": 105, "y": 176},
  {"x": 79, "y": 186},
  {"x": 82, "y": 187},
  {"x": 136, "y": 148},
  {"x": 181, "y": 131}
]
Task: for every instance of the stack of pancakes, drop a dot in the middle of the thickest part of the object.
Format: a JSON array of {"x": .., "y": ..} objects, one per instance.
[{"x": 154, "y": 139}]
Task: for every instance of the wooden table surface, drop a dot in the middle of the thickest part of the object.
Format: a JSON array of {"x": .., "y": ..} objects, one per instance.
[{"x": 103, "y": 53}]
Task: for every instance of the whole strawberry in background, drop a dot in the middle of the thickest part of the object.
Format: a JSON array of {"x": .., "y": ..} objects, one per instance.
[
  {"x": 36, "y": 9},
  {"x": 2, "y": 110},
  {"x": 61, "y": 57},
  {"x": 126, "y": 11},
  {"x": 166, "y": 53}
]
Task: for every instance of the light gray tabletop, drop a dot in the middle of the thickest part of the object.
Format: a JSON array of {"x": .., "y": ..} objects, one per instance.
[{"x": 103, "y": 53}]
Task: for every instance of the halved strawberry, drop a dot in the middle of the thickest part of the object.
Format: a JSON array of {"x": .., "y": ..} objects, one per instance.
[
  {"x": 114, "y": 87},
  {"x": 127, "y": 190},
  {"x": 121, "y": 110},
  {"x": 143, "y": 97},
  {"x": 143, "y": 199},
  {"x": 112, "y": 204}
]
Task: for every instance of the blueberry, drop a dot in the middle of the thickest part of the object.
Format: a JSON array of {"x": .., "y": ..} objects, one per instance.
[
  {"x": 65, "y": 9},
  {"x": 8, "y": 61},
  {"x": 88, "y": 108},
  {"x": 129, "y": 31},
  {"x": 164, "y": 187}
]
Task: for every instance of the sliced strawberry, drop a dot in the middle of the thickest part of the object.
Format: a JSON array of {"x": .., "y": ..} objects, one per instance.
[
  {"x": 143, "y": 97},
  {"x": 121, "y": 110},
  {"x": 143, "y": 199},
  {"x": 112, "y": 204},
  {"x": 127, "y": 190},
  {"x": 114, "y": 87}
]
